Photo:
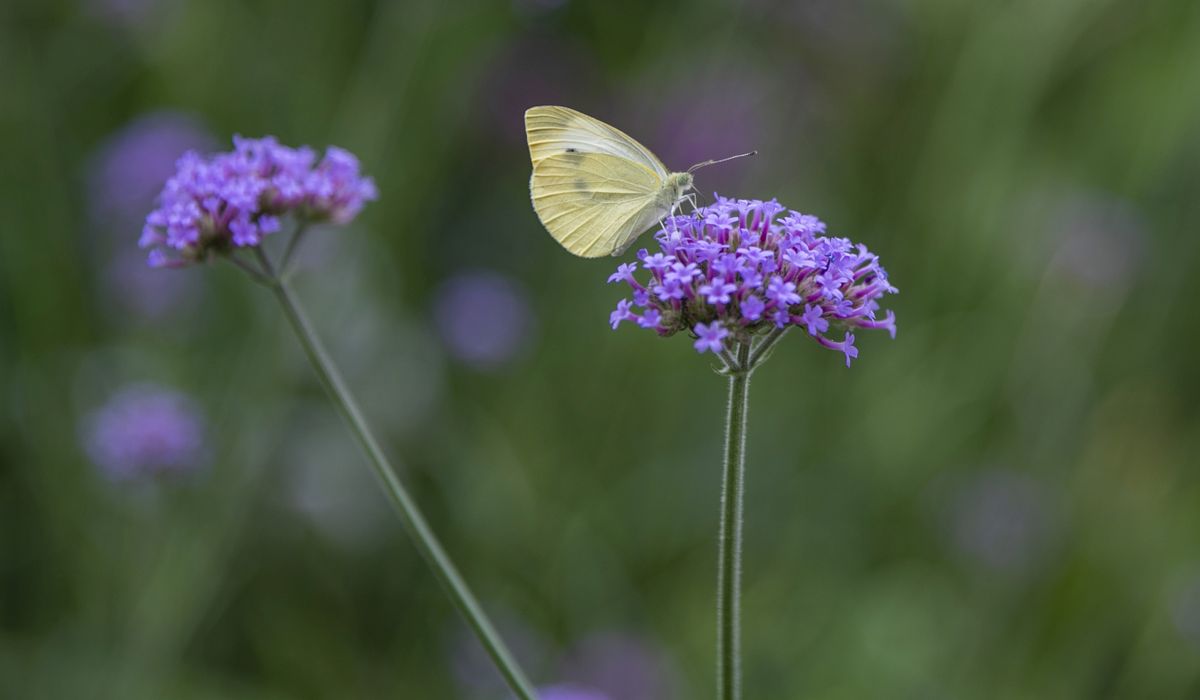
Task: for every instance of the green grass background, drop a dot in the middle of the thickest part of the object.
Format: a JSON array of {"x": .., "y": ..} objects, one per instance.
[{"x": 980, "y": 148}]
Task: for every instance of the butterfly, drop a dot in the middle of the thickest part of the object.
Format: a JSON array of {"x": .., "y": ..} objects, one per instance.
[{"x": 594, "y": 188}]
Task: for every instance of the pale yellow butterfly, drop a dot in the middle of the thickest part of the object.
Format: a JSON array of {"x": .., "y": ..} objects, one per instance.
[{"x": 594, "y": 188}]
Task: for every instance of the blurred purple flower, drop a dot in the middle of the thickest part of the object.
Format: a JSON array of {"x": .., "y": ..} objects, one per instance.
[
  {"x": 712, "y": 117},
  {"x": 235, "y": 199},
  {"x": 621, "y": 666},
  {"x": 128, "y": 169},
  {"x": 144, "y": 430},
  {"x": 569, "y": 692},
  {"x": 718, "y": 264},
  {"x": 1001, "y": 520},
  {"x": 123, "y": 176},
  {"x": 1185, "y": 611},
  {"x": 125, "y": 13},
  {"x": 532, "y": 72},
  {"x": 858, "y": 38},
  {"x": 1101, "y": 242},
  {"x": 483, "y": 318}
]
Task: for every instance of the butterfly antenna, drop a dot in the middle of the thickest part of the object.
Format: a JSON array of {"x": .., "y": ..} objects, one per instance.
[{"x": 707, "y": 163}]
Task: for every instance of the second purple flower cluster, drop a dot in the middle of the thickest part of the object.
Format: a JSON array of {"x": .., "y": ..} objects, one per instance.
[
  {"x": 145, "y": 430},
  {"x": 741, "y": 267},
  {"x": 235, "y": 199}
]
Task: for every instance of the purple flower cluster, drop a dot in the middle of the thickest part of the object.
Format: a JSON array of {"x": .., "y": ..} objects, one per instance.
[
  {"x": 235, "y": 199},
  {"x": 740, "y": 267},
  {"x": 144, "y": 430}
]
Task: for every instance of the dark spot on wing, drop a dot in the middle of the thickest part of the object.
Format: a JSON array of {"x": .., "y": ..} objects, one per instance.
[
  {"x": 572, "y": 156},
  {"x": 580, "y": 184}
]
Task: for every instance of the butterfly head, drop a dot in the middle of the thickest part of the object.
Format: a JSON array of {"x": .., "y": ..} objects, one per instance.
[{"x": 677, "y": 184}]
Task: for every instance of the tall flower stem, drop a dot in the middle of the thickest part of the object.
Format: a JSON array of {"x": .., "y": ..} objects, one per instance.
[
  {"x": 422, "y": 536},
  {"x": 285, "y": 263},
  {"x": 729, "y": 567}
]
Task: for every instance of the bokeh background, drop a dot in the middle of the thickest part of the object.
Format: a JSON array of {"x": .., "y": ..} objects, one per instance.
[{"x": 1001, "y": 503}]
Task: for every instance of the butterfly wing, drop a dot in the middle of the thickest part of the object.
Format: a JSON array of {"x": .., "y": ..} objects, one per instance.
[
  {"x": 556, "y": 130},
  {"x": 595, "y": 204}
]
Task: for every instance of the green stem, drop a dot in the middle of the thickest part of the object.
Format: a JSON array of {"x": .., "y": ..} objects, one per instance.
[
  {"x": 410, "y": 514},
  {"x": 285, "y": 263},
  {"x": 763, "y": 350},
  {"x": 729, "y": 568},
  {"x": 256, "y": 275}
]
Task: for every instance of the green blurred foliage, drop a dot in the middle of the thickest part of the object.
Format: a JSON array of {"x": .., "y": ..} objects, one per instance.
[{"x": 1027, "y": 170}]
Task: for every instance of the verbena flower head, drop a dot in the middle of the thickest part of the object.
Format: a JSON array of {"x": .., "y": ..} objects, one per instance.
[
  {"x": 235, "y": 199},
  {"x": 145, "y": 430},
  {"x": 741, "y": 267}
]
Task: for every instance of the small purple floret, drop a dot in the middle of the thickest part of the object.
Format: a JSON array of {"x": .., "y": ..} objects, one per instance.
[
  {"x": 740, "y": 268},
  {"x": 752, "y": 308},
  {"x": 815, "y": 322},
  {"x": 622, "y": 313},
  {"x": 650, "y": 318},
  {"x": 624, "y": 273},
  {"x": 710, "y": 337}
]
